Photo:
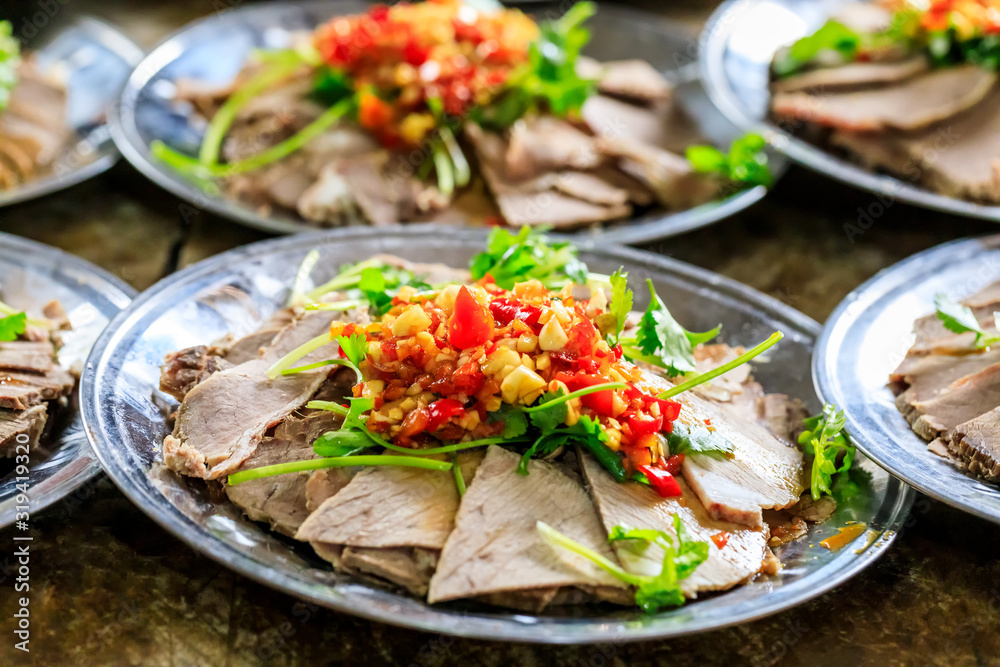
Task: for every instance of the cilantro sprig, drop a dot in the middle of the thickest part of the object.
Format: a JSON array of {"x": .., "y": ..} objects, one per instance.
[
  {"x": 512, "y": 258},
  {"x": 612, "y": 322},
  {"x": 832, "y": 37},
  {"x": 681, "y": 557},
  {"x": 549, "y": 79},
  {"x": 960, "y": 319},
  {"x": 700, "y": 440},
  {"x": 662, "y": 342},
  {"x": 745, "y": 163},
  {"x": 12, "y": 326},
  {"x": 825, "y": 440}
]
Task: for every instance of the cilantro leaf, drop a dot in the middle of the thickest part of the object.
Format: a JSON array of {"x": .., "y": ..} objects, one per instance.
[
  {"x": 746, "y": 162},
  {"x": 344, "y": 442},
  {"x": 587, "y": 432},
  {"x": 698, "y": 440},
  {"x": 823, "y": 437},
  {"x": 663, "y": 342},
  {"x": 549, "y": 79},
  {"x": 612, "y": 322},
  {"x": 12, "y": 326},
  {"x": 513, "y": 258},
  {"x": 553, "y": 416},
  {"x": 681, "y": 556},
  {"x": 354, "y": 347},
  {"x": 10, "y": 59},
  {"x": 960, "y": 319},
  {"x": 515, "y": 422},
  {"x": 832, "y": 36}
]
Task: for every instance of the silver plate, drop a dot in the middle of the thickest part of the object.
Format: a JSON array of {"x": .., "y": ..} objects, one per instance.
[
  {"x": 234, "y": 292},
  {"x": 737, "y": 45},
  {"x": 95, "y": 60},
  {"x": 215, "y": 49},
  {"x": 865, "y": 339},
  {"x": 31, "y": 274}
]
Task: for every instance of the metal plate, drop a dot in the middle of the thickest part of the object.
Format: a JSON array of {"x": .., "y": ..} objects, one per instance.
[
  {"x": 32, "y": 274},
  {"x": 864, "y": 341},
  {"x": 737, "y": 46},
  {"x": 215, "y": 49},
  {"x": 95, "y": 60},
  {"x": 234, "y": 292}
]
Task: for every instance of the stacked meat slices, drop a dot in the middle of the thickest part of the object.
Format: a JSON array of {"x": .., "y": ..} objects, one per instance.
[
  {"x": 938, "y": 129},
  {"x": 32, "y": 385},
  {"x": 949, "y": 392},
  {"x": 411, "y": 527},
  {"x": 33, "y": 130}
]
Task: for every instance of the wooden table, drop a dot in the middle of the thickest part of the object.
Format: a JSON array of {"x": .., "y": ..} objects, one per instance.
[{"x": 110, "y": 587}]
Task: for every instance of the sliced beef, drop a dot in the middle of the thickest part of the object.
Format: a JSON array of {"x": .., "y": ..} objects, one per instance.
[
  {"x": 542, "y": 144},
  {"x": 724, "y": 387},
  {"x": 186, "y": 368},
  {"x": 495, "y": 547},
  {"x": 976, "y": 443},
  {"x": 19, "y": 391},
  {"x": 15, "y": 424},
  {"x": 961, "y": 401},
  {"x": 538, "y": 200},
  {"x": 639, "y": 506},
  {"x": 669, "y": 176},
  {"x": 283, "y": 501},
  {"x": 27, "y": 356},
  {"x": 960, "y": 160},
  {"x": 913, "y": 104},
  {"x": 765, "y": 471},
  {"x": 222, "y": 420},
  {"x": 389, "y": 522},
  {"x": 922, "y": 377},
  {"x": 664, "y": 125},
  {"x": 632, "y": 79},
  {"x": 33, "y": 127},
  {"x": 852, "y": 75}
]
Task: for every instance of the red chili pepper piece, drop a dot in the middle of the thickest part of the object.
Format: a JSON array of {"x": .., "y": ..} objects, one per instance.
[
  {"x": 601, "y": 402},
  {"x": 720, "y": 539},
  {"x": 441, "y": 411},
  {"x": 673, "y": 464},
  {"x": 644, "y": 424},
  {"x": 662, "y": 481},
  {"x": 471, "y": 324}
]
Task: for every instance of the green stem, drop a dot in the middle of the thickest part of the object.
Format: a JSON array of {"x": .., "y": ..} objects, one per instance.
[
  {"x": 463, "y": 173},
  {"x": 459, "y": 480},
  {"x": 296, "y": 354},
  {"x": 554, "y": 537},
  {"x": 329, "y": 362},
  {"x": 337, "y": 306},
  {"x": 724, "y": 368},
  {"x": 576, "y": 394},
  {"x": 337, "y": 462},
  {"x": 346, "y": 278},
  {"x": 301, "y": 276},
  {"x": 330, "y": 406},
  {"x": 443, "y": 168},
  {"x": 224, "y": 117},
  {"x": 282, "y": 150}
]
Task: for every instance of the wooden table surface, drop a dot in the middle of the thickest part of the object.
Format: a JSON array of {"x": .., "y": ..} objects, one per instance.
[{"x": 110, "y": 587}]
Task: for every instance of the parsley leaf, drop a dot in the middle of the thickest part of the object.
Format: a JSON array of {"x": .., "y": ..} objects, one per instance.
[
  {"x": 700, "y": 440},
  {"x": 825, "y": 440},
  {"x": 746, "y": 161},
  {"x": 12, "y": 326},
  {"x": 341, "y": 443},
  {"x": 663, "y": 342},
  {"x": 612, "y": 322},
  {"x": 513, "y": 258},
  {"x": 354, "y": 347},
  {"x": 960, "y": 319},
  {"x": 551, "y": 417}
]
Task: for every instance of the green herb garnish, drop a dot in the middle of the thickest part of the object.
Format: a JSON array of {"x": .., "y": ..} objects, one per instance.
[
  {"x": 825, "y": 440},
  {"x": 612, "y": 322},
  {"x": 833, "y": 36},
  {"x": 745, "y": 163},
  {"x": 661, "y": 341},
  {"x": 700, "y": 440},
  {"x": 12, "y": 326},
  {"x": 10, "y": 59},
  {"x": 681, "y": 556},
  {"x": 960, "y": 319},
  {"x": 513, "y": 258}
]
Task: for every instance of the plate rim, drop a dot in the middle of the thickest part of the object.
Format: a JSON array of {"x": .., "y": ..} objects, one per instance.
[
  {"x": 62, "y": 258},
  {"x": 131, "y": 55},
  {"x": 126, "y": 138},
  {"x": 899, "y": 497},
  {"x": 824, "y": 375},
  {"x": 714, "y": 40}
]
